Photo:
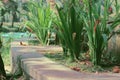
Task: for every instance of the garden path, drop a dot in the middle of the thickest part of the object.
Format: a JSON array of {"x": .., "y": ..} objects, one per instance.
[{"x": 38, "y": 67}]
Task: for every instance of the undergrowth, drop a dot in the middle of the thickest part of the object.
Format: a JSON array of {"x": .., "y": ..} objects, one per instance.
[{"x": 81, "y": 66}]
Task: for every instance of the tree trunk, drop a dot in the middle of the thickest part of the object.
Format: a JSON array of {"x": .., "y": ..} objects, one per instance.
[
  {"x": 14, "y": 15},
  {"x": 12, "y": 20},
  {"x": 2, "y": 69},
  {"x": 1, "y": 24}
]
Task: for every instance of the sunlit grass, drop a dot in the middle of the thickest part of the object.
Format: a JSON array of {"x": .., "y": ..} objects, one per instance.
[{"x": 6, "y": 55}]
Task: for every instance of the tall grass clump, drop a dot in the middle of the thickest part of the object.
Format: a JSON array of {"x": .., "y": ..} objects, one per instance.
[
  {"x": 117, "y": 6},
  {"x": 70, "y": 26},
  {"x": 98, "y": 28},
  {"x": 39, "y": 19}
]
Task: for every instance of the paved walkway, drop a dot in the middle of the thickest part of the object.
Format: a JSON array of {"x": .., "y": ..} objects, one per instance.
[{"x": 39, "y": 67}]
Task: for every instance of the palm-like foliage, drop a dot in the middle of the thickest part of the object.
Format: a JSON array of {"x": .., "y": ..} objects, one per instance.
[
  {"x": 40, "y": 19},
  {"x": 117, "y": 6},
  {"x": 70, "y": 26},
  {"x": 98, "y": 30}
]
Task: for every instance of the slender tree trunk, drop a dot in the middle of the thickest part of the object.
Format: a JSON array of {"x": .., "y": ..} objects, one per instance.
[
  {"x": 1, "y": 24},
  {"x": 12, "y": 20},
  {"x": 2, "y": 69}
]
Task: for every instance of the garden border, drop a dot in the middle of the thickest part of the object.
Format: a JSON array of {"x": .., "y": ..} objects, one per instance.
[{"x": 41, "y": 68}]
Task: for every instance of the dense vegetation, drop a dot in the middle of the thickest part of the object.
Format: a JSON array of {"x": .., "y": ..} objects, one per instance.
[
  {"x": 85, "y": 25},
  {"x": 82, "y": 27}
]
